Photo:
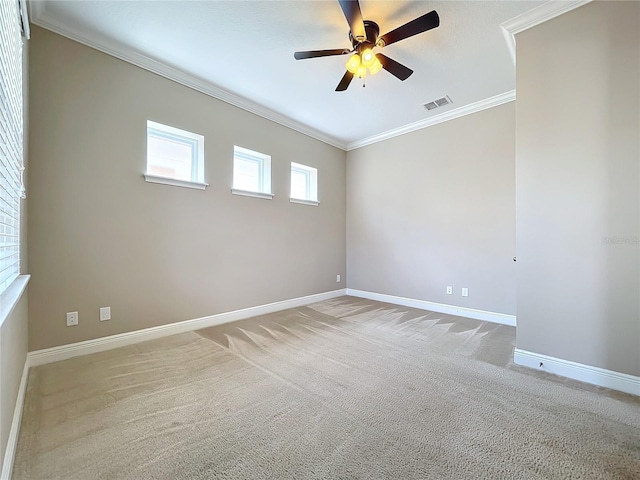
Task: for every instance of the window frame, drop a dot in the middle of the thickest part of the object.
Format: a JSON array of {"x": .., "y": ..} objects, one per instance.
[
  {"x": 264, "y": 173},
  {"x": 195, "y": 140},
  {"x": 311, "y": 174},
  {"x": 12, "y": 148}
]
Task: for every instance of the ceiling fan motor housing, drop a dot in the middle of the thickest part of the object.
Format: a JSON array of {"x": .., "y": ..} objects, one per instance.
[{"x": 372, "y": 30}]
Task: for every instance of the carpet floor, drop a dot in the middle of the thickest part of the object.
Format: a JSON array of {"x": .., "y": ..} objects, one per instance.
[{"x": 342, "y": 389}]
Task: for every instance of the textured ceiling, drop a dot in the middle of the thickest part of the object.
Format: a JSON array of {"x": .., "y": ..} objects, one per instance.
[{"x": 246, "y": 48}]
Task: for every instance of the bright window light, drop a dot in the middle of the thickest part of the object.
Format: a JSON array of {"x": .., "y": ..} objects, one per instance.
[
  {"x": 251, "y": 173},
  {"x": 175, "y": 156},
  {"x": 11, "y": 142},
  {"x": 304, "y": 184}
]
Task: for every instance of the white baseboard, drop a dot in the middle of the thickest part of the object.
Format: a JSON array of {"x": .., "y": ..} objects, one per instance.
[
  {"x": 577, "y": 371},
  {"x": 63, "y": 352},
  {"x": 12, "y": 441},
  {"x": 494, "y": 317}
]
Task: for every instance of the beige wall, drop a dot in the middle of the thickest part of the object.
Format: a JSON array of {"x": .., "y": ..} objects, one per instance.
[
  {"x": 13, "y": 354},
  {"x": 99, "y": 235},
  {"x": 578, "y": 136},
  {"x": 436, "y": 207}
]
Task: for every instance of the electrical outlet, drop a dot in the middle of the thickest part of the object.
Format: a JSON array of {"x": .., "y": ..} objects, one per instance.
[
  {"x": 72, "y": 319},
  {"x": 105, "y": 313},
  {"x": 449, "y": 290},
  {"x": 337, "y": 278},
  {"x": 465, "y": 292}
]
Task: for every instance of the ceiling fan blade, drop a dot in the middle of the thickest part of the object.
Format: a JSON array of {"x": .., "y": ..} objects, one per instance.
[
  {"x": 353, "y": 14},
  {"x": 344, "y": 83},
  {"x": 320, "y": 53},
  {"x": 421, "y": 24},
  {"x": 394, "y": 68}
]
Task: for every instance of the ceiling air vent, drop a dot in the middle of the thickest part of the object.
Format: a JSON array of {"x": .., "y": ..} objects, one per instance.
[{"x": 440, "y": 102}]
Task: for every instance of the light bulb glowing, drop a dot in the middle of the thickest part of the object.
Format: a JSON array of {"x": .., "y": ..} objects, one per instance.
[
  {"x": 354, "y": 63},
  {"x": 376, "y": 67},
  {"x": 361, "y": 65},
  {"x": 367, "y": 58},
  {"x": 361, "y": 72}
]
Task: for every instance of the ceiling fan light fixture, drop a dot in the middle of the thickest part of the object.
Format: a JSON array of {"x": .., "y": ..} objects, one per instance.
[
  {"x": 353, "y": 64},
  {"x": 365, "y": 36},
  {"x": 376, "y": 67},
  {"x": 368, "y": 58},
  {"x": 361, "y": 72}
]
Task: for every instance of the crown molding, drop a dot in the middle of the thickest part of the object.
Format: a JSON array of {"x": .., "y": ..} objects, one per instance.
[
  {"x": 115, "y": 49},
  {"x": 475, "y": 107},
  {"x": 541, "y": 14},
  {"x": 536, "y": 16},
  {"x": 510, "y": 28}
]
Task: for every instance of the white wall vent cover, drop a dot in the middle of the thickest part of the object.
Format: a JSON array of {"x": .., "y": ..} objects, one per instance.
[{"x": 440, "y": 102}]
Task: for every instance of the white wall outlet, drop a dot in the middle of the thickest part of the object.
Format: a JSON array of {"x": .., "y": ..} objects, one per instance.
[
  {"x": 337, "y": 278},
  {"x": 72, "y": 319},
  {"x": 105, "y": 313},
  {"x": 449, "y": 290},
  {"x": 465, "y": 292}
]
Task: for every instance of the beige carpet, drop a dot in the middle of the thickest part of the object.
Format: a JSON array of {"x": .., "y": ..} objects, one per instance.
[{"x": 342, "y": 389}]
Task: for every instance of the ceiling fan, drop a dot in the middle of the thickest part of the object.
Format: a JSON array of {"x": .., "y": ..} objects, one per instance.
[{"x": 364, "y": 36}]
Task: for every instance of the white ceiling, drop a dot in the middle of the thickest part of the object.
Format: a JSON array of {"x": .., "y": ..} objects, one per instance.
[{"x": 243, "y": 51}]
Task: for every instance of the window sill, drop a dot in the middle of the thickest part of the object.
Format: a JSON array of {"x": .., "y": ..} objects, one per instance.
[
  {"x": 314, "y": 203},
  {"x": 11, "y": 296},
  {"x": 174, "y": 182},
  {"x": 246, "y": 193}
]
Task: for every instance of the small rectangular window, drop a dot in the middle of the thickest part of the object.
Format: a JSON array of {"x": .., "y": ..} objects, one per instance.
[
  {"x": 304, "y": 184},
  {"x": 174, "y": 156},
  {"x": 251, "y": 173}
]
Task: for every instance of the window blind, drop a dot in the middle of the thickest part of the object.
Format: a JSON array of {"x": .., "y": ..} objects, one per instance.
[{"x": 11, "y": 140}]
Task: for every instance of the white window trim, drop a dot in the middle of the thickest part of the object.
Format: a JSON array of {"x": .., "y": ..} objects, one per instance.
[
  {"x": 11, "y": 296},
  {"x": 199, "y": 139},
  {"x": 248, "y": 193},
  {"x": 315, "y": 203},
  {"x": 175, "y": 182},
  {"x": 265, "y": 167}
]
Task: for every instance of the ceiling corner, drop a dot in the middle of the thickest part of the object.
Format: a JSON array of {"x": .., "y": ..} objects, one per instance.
[
  {"x": 541, "y": 14},
  {"x": 122, "y": 52},
  {"x": 475, "y": 107}
]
